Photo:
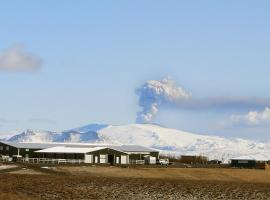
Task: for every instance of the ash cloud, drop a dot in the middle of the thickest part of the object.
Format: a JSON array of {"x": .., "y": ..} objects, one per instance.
[{"x": 155, "y": 94}]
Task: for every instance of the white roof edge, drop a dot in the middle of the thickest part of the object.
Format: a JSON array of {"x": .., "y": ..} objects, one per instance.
[{"x": 66, "y": 149}]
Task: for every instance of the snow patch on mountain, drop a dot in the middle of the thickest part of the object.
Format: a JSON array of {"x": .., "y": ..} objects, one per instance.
[
  {"x": 89, "y": 127},
  {"x": 33, "y": 136}
]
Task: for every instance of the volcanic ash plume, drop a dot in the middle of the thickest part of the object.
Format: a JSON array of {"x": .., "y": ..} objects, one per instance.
[{"x": 155, "y": 93}]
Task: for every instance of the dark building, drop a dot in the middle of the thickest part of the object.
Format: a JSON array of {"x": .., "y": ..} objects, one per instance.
[
  {"x": 23, "y": 149},
  {"x": 250, "y": 161}
]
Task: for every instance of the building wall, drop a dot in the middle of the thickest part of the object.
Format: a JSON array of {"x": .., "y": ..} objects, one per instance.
[
  {"x": 113, "y": 154},
  {"x": 8, "y": 150},
  {"x": 60, "y": 155},
  {"x": 243, "y": 163}
]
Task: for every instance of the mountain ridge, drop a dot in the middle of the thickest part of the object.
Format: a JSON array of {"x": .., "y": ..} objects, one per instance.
[{"x": 168, "y": 141}]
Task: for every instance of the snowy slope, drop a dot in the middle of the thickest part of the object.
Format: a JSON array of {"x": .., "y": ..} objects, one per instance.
[
  {"x": 179, "y": 142},
  {"x": 168, "y": 141},
  {"x": 33, "y": 136}
]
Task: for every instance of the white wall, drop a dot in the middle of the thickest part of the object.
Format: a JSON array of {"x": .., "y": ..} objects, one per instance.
[
  {"x": 88, "y": 158},
  {"x": 124, "y": 159}
]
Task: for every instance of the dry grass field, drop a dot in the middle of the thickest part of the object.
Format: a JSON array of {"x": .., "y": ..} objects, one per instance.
[{"x": 86, "y": 182}]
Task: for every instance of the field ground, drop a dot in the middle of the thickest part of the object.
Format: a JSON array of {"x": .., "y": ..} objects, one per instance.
[{"x": 88, "y": 182}]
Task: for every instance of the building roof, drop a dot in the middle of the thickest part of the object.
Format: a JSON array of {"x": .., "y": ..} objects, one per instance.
[
  {"x": 63, "y": 149},
  {"x": 122, "y": 148},
  {"x": 35, "y": 145},
  {"x": 255, "y": 157},
  {"x": 30, "y": 145}
]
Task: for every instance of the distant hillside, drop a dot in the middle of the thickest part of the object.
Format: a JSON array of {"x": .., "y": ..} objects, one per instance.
[{"x": 168, "y": 141}]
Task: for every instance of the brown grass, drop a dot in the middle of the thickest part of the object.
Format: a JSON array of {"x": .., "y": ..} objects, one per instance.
[{"x": 198, "y": 174}]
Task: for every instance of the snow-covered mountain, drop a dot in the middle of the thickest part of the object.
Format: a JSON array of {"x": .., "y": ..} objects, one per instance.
[{"x": 168, "y": 141}]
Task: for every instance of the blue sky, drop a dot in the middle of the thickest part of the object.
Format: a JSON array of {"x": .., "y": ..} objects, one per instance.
[{"x": 96, "y": 53}]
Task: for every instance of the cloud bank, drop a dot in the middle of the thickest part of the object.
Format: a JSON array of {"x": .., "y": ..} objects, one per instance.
[
  {"x": 17, "y": 59},
  {"x": 252, "y": 118},
  {"x": 155, "y": 94}
]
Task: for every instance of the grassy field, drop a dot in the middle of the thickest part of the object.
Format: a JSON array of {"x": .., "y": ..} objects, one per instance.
[
  {"x": 195, "y": 174},
  {"x": 86, "y": 182}
]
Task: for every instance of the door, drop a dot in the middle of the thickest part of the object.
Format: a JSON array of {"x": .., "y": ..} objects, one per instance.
[
  {"x": 26, "y": 157},
  {"x": 123, "y": 159},
  {"x": 111, "y": 159},
  {"x": 88, "y": 158},
  {"x": 96, "y": 159}
]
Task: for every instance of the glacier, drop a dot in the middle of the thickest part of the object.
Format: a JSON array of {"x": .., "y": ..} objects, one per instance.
[{"x": 168, "y": 141}]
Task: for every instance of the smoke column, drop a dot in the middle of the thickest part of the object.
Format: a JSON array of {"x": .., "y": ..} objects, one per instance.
[{"x": 155, "y": 93}]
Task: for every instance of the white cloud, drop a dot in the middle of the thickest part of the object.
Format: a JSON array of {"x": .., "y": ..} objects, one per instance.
[
  {"x": 17, "y": 59},
  {"x": 252, "y": 118}
]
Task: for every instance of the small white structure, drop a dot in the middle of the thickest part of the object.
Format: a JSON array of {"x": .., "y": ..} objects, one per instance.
[
  {"x": 150, "y": 160},
  {"x": 124, "y": 159}
]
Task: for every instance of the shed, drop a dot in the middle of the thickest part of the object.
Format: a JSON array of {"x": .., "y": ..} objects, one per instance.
[{"x": 249, "y": 161}]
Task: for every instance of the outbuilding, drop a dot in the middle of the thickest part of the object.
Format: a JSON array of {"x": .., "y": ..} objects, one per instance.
[{"x": 258, "y": 161}]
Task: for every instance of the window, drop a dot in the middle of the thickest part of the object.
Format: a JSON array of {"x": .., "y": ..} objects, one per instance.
[
  {"x": 102, "y": 159},
  {"x": 7, "y": 148}
]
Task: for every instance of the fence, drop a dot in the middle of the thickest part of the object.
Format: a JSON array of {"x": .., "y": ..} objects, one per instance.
[
  {"x": 137, "y": 162},
  {"x": 54, "y": 161}
]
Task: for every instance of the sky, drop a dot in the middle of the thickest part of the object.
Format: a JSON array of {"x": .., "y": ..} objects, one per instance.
[{"x": 64, "y": 64}]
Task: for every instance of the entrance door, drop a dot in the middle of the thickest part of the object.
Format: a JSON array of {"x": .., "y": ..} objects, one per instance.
[
  {"x": 96, "y": 159},
  {"x": 111, "y": 159}
]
